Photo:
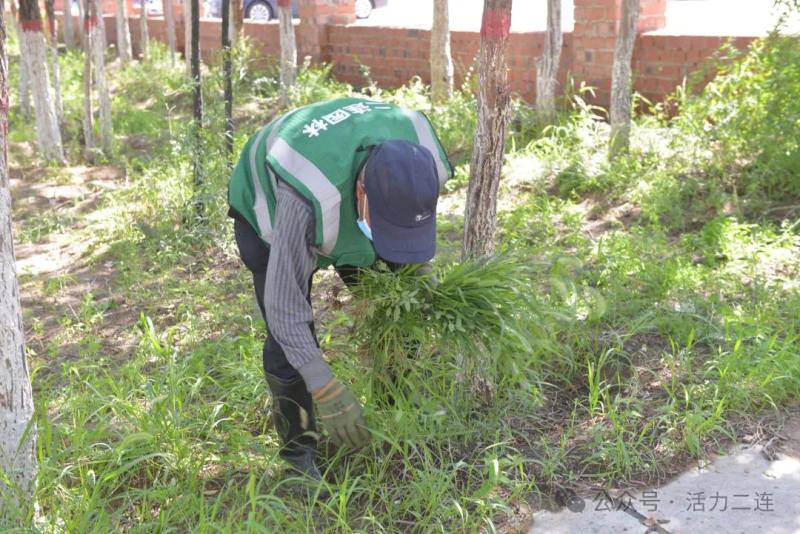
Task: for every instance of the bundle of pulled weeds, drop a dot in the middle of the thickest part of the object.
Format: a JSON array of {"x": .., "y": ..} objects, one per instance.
[{"x": 459, "y": 332}]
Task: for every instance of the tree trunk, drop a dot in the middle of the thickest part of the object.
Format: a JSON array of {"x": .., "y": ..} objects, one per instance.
[
  {"x": 48, "y": 135},
  {"x": 490, "y": 138},
  {"x": 197, "y": 107},
  {"x": 17, "y": 425},
  {"x": 227, "y": 79},
  {"x": 288, "y": 50},
  {"x": 123, "y": 33},
  {"x": 547, "y": 66},
  {"x": 187, "y": 33},
  {"x": 69, "y": 32},
  {"x": 237, "y": 21},
  {"x": 88, "y": 119},
  {"x": 81, "y": 18},
  {"x": 53, "y": 35},
  {"x": 25, "y": 106},
  {"x": 169, "y": 18},
  {"x": 103, "y": 98},
  {"x": 230, "y": 18},
  {"x": 144, "y": 30},
  {"x": 620, "y": 112},
  {"x": 441, "y": 59},
  {"x": 102, "y": 23}
]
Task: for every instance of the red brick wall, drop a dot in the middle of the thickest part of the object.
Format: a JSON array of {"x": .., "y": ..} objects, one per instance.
[
  {"x": 108, "y": 7},
  {"x": 395, "y": 55},
  {"x": 157, "y": 28},
  {"x": 652, "y": 15},
  {"x": 596, "y": 27},
  {"x": 661, "y": 62},
  {"x": 391, "y": 53},
  {"x": 318, "y": 17},
  {"x": 266, "y": 38}
]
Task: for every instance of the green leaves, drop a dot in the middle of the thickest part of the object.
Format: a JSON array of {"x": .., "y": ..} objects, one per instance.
[
  {"x": 745, "y": 122},
  {"x": 474, "y": 322}
]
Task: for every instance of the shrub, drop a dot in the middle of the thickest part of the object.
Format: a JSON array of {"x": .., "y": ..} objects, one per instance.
[{"x": 743, "y": 127}]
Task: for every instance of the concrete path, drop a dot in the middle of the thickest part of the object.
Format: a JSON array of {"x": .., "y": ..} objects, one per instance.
[{"x": 743, "y": 492}]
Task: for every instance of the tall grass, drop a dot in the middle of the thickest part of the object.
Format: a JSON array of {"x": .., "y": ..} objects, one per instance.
[
  {"x": 635, "y": 318},
  {"x": 473, "y": 322}
]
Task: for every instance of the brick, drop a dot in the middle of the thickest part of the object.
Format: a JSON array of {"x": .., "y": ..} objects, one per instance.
[
  {"x": 597, "y": 43},
  {"x": 672, "y": 72},
  {"x": 604, "y": 57},
  {"x": 667, "y": 86},
  {"x": 397, "y": 54}
]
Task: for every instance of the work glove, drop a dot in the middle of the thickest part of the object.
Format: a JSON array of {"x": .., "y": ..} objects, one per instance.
[{"x": 341, "y": 415}]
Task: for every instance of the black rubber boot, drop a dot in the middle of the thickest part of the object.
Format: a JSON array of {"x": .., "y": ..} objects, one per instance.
[{"x": 293, "y": 417}]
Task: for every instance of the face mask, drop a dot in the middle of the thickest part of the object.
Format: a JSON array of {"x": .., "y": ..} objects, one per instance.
[
  {"x": 362, "y": 224},
  {"x": 364, "y": 227}
]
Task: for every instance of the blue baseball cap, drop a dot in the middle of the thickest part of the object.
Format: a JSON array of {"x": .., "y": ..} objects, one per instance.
[{"x": 402, "y": 188}]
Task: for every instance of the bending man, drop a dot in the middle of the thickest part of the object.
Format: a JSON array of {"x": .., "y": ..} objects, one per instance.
[{"x": 341, "y": 183}]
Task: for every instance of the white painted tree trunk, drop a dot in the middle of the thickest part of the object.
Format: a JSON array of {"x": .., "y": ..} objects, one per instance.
[
  {"x": 103, "y": 98},
  {"x": 17, "y": 426},
  {"x": 123, "y": 33},
  {"x": 48, "y": 136},
  {"x": 169, "y": 18},
  {"x": 488, "y": 153},
  {"x": 57, "y": 102},
  {"x": 24, "y": 86},
  {"x": 288, "y": 50},
  {"x": 441, "y": 58},
  {"x": 547, "y": 66},
  {"x": 94, "y": 41},
  {"x": 232, "y": 33},
  {"x": 69, "y": 31},
  {"x": 620, "y": 112},
  {"x": 187, "y": 34},
  {"x": 101, "y": 20},
  {"x": 144, "y": 31},
  {"x": 88, "y": 118},
  {"x": 25, "y": 106},
  {"x": 53, "y": 42}
]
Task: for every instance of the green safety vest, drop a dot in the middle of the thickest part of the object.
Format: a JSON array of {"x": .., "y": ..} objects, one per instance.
[{"x": 318, "y": 150}]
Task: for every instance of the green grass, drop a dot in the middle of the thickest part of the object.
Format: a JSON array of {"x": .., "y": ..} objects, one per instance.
[{"x": 641, "y": 313}]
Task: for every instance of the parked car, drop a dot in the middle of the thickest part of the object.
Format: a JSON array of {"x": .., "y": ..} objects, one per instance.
[
  {"x": 264, "y": 9},
  {"x": 364, "y": 7},
  {"x": 154, "y": 7},
  {"x": 268, "y": 9}
]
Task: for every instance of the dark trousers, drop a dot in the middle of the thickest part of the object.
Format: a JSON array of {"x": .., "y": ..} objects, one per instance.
[{"x": 255, "y": 256}]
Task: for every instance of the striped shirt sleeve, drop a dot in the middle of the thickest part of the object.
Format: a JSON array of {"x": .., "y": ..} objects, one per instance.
[{"x": 292, "y": 262}]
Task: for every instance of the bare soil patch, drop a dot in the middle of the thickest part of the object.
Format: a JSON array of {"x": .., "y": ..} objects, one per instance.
[{"x": 56, "y": 275}]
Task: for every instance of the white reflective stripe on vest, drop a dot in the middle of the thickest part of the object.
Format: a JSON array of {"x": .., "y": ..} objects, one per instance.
[
  {"x": 425, "y": 136},
  {"x": 317, "y": 183},
  {"x": 271, "y": 141},
  {"x": 260, "y": 206}
]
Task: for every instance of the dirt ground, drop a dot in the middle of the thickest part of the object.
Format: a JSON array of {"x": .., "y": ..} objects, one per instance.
[{"x": 54, "y": 272}]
